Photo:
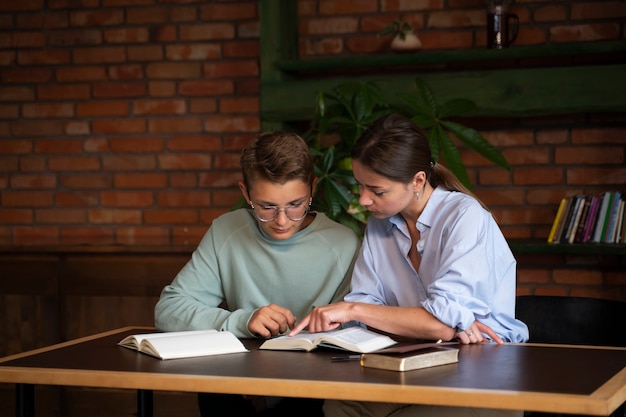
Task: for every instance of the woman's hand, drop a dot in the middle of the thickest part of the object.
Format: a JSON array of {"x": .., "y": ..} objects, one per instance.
[{"x": 474, "y": 334}]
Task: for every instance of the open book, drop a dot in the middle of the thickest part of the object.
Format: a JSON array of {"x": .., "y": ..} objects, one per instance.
[
  {"x": 408, "y": 358},
  {"x": 353, "y": 339},
  {"x": 187, "y": 344}
]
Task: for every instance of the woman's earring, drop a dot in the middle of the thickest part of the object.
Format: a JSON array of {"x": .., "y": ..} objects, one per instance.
[{"x": 417, "y": 195}]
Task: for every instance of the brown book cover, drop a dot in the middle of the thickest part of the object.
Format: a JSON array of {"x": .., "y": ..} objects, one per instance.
[{"x": 411, "y": 360}]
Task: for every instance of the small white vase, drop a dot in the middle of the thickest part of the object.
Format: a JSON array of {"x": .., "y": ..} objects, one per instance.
[{"x": 410, "y": 43}]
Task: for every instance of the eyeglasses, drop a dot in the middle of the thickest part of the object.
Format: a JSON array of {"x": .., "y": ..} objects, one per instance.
[{"x": 269, "y": 213}]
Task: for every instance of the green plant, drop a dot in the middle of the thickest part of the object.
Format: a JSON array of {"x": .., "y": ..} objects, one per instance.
[
  {"x": 397, "y": 27},
  {"x": 344, "y": 112}
]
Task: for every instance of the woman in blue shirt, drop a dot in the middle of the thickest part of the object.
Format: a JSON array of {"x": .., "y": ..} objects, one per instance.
[{"x": 433, "y": 264}]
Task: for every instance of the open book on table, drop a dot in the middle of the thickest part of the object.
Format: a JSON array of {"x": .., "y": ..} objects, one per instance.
[
  {"x": 353, "y": 339},
  {"x": 186, "y": 344}
]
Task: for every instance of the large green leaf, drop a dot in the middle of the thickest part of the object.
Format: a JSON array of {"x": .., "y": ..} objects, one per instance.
[
  {"x": 456, "y": 107},
  {"x": 472, "y": 139},
  {"x": 452, "y": 157}
]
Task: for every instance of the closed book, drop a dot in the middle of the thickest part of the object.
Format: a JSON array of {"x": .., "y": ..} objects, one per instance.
[
  {"x": 571, "y": 219},
  {"x": 412, "y": 360},
  {"x": 597, "y": 232},
  {"x": 580, "y": 230},
  {"x": 591, "y": 219},
  {"x": 563, "y": 220},
  {"x": 580, "y": 204},
  {"x": 557, "y": 218},
  {"x": 612, "y": 222}
]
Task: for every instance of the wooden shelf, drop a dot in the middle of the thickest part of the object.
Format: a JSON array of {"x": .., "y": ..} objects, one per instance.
[{"x": 542, "y": 247}]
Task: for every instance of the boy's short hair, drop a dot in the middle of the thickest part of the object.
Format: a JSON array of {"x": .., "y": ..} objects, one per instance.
[{"x": 277, "y": 157}]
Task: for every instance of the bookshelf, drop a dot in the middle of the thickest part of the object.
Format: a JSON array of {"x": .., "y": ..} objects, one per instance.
[{"x": 534, "y": 246}]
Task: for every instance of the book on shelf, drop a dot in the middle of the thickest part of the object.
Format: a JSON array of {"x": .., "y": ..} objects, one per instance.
[
  {"x": 589, "y": 219},
  {"x": 409, "y": 358},
  {"x": 353, "y": 339},
  {"x": 185, "y": 344}
]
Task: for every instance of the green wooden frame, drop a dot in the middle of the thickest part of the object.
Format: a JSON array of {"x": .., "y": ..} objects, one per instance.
[{"x": 289, "y": 84}]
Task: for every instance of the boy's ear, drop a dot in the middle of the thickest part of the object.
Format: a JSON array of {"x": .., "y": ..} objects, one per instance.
[{"x": 244, "y": 191}]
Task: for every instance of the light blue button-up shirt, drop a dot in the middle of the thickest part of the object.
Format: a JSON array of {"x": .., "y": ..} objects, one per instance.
[{"x": 467, "y": 271}]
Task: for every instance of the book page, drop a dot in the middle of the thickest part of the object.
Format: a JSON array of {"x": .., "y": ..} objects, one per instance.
[
  {"x": 188, "y": 345},
  {"x": 356, "y": 339},
  {"x": 135, "y": 340},
  {"x": 301, "y": 341}
]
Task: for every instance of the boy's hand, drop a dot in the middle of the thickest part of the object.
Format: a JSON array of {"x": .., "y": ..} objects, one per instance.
[{"x": 271, "y": 320}]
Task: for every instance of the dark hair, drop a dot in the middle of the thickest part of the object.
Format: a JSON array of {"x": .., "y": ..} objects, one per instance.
[
  {"x": 277, "y": 157},
  {"x": 396, "y": 148}
]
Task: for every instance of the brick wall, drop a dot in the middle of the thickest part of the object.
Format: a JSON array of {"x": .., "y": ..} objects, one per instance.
[{"x": 121, "y": 121}]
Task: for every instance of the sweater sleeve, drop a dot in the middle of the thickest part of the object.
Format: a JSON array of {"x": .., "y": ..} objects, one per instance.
[{"x": 194, "y": 300}]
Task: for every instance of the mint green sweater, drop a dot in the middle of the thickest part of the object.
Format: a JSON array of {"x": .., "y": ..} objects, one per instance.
[{"x": 237, "y": 268}]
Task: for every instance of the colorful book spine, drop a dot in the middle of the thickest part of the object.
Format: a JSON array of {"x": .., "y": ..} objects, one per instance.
[{"x": 557, "y": 218}]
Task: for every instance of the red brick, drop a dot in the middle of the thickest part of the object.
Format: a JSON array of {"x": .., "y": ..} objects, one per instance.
[
  {"x": 598, "y": 136},
  {"x": 221, "y": 12},
  {"x": 58, "y": 146},
  {"x": 24, "y": 5},
  {"x": 75, "y": 37},
  {"x": 16, "y": 94},
  {"x": 96, "y": 145},
  {"x": 114, "y": 216},
  {"x": 201, "y": 143},
  {"x": 119, "y": 126},
  {"x": 84, "y": 181},
  {"x": 149, "y": 14},
  {"x": 28, "y": 199},
  {"x": 537, "y": 176},
  {"x": 188, "y": 235},
  {"x": 125, "y": 162},
  {"x": 202, "y": 106},
  {"x": 183, "y": 180},
  {"x": 78, "y": 73},
  {"x": 159, "y": 107},
  {"x": 145, "y": 53},
  {"x": 210, "y": 31},
  {"x": 63, "y": 92},
  {"x": 37, "y": 235},
  {"x": 60, "y": 216},
  {"x": 76, "y": 198},
  {"x": 140, "y": 181},
  {"x": 597, "y": 176},
  {"x": 8, "y": 58},
  {"x": 37, "y": 128},
  {"x": 101, "y": 17},
  {"x": 184, "y": 161},
  {"x": 74, "y": 163},
  {"x": 174, "y": 216},
  {"x": 225, "y": 197},
  {"x": 446, "y": 40},
  {"x": 231, "y": 69},
  {"x": 9, "y": 111},
  {"x": 126, "y": 35},
  {"x": 77, "y": 127},
  {"x": 239, "y": 105},
  {"x": 25, "y": 182},
  {"x": 126, "y": 72},
  {"x": 32, "y": 163},
  {"x": 15, "y": 217},
  {"x": 102, "y": 108},
  {"x": 137, "y": 145},
  {"x": 174, "y": 70},
  {"x": 232, "y": 124},
  {"x": 162, "y": 88},
  {"x": 175, "y": 125},
  {"x": 10, "y": 146},
  {"x": 550, "y": 13},
  {"x": 193, "y": 52},
  {"x": 47, "y": 110},
  {"x": 49, "y": 20},
  {"x": 87, "y": 235},
  {"x": 43, "y": 57},
  {"x": 332, "y": 25},
  {"x": 142, "y": 235},
  {"x": 564, "y": 155},
  {"x": 219, "y": 179},
  {"x": 533, "y": 276},
  {"x": 331, "y": 7},
  {"x": 227, "y": 161},
  {"x": 183, "y": 199},
  {"x": 241, "y": 49},
  {"x": 23, "y": 40},
  {"x": 26, "y": 76},
  {"x": 127, "y": 198},
  {"x": 205, "y": 88},
  {"x": 119, "y": 89},
  {"x": 588, "y": 32},
  {"x": 577, "y": 277},
  {"x": 100, "y": 55},
  {"x": 592, "y": 10}
]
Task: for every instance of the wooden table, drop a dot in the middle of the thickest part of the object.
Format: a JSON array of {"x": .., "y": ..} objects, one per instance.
[{"x": 552, "y": 378}]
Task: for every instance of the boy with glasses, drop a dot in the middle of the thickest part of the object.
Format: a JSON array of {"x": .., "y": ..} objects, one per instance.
[{"x": 258, "y": 270}]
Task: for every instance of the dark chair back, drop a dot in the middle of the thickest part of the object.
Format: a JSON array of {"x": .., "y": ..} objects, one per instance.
[{"x": 573, "y": 320}]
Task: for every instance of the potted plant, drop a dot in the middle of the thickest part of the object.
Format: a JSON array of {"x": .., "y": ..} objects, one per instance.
[
  {"x": 344, "y": 112},
  {"x": 404, "y": 38}
]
